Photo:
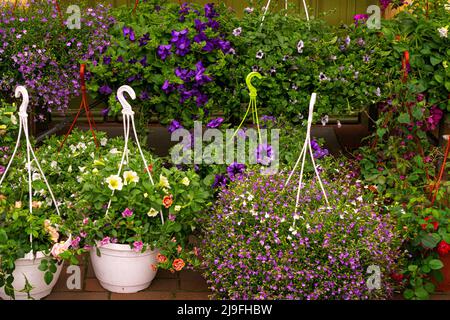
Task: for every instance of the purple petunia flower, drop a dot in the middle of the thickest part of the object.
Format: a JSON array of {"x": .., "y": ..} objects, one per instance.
[
  {"x": 210, "y": 12},
  {"x": 105, "y": 90},
  {"x": 144, "y": 40},
  {"x": 137, "y": 246},
  {"x": 219, "y": 181},
  {"x": 237, "y": 32},
  {"x": 105, "y": 112},
  {"x": 264, "y": 154},
  {"x": 2, "y": 169},
  {"x": 167, "y": 87},
  {"x": 236, "y": 171},
  {"x": 128, "y": 31},
  {"x": 164, "y": 51},
  {"x": 360, "y": 18},
  {"x": 106, "y": 60},
  {"x": 174, "y": 125},
  {"x": 215, "y": 123}
]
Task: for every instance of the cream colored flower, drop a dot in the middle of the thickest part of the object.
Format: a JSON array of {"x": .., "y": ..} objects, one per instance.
[
  {"x": 114, "y": 182},
  {"x": 95, "y": 170},
  {"x": 13, "y": 119},
  {"x": 177, "y": 208},
  {"x": 36, "y": 204},
  {"x": 103, "y": 142},
  {"x": 443, "y": 32},
  {"x": 146, "y": 195},
  {"x": 18, "y": 204},
  {"x": 164, "y": 182},
  {"x": 152, "y": 213},
  {"x": 130, "y": 177},
  {"x": 186, "y": 181}
]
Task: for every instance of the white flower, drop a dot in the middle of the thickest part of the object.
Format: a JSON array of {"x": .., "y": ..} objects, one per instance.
[
  {"x": 447, "y": 6},
  {"x": 53, "y": 164},
  {"x": 253, "y": 212},
  {"x": 267, "y": 215},
  {"x": 82, "y": 169},
  {"x": 260, "y": 54},
  {"x": 103, "y": 142},
  {"x": 13, "y": 119},
  {"x": 308, "y": 226},
  {"x": 152, "y": 213},
  {"x": 237, "y": 32},
  {"x": 177, "y": 208},
  {"x": 300, "y": 46},
  {"x": 92, "y": 155},
  {"x": 248, "y": 10},
  {"x": 72, "y": 148},
  {"x": 36, "y": 176},
  {"x": 164, "y": 182},
  {"x": 114, "y": 182},
  {"x": 79, "y": 179},
  {"x": 289, "y": 237},
  {"x": 146, "y": 195},
  {"x": 114, "y": 151},
  {"x": 186, "y": 181},
  {"x": 443, "y": 32},
  {"x": 250, "y": 196},
  {"x": 81, "y": 145},
  {"x": 130, "y": 177},
  {"x": 296, "y": 217},
  {"x": 244, "y": 203}
]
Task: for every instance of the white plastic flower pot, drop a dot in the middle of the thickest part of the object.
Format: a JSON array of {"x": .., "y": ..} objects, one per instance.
[
  {"x": 27, "y": 268},
  {"x": 120, "y": 269}
]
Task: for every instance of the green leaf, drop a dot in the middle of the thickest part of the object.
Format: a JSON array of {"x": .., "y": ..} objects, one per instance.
[
  {"x": 404, "y": 118},
  {"x": 436, "y": 264},
  {"x": 3, "y": 236},
  {"x": 412, "y": 267},
  {"x": 408, "y": 294},
  {"x": 417, "y": 112},
  {"x": 429, "y": 287},
  {"x": 439, "y": 78},
  {"x": 43, "y": 266},
  {"x": 434, "y": 61},
  {"x": 430, "y": 240},
  {"x": 52, "y": 268},
  {"x": 421, "y": 293},
  {"x": 447, "y": 85},
  {"x": 48, "y": 277}
]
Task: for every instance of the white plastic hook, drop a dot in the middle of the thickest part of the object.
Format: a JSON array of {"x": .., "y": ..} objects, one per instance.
[
  {"x": 126, "y": 107},
  {"x": 128, "y": 123},
  {"x": 22, "y": 91}
]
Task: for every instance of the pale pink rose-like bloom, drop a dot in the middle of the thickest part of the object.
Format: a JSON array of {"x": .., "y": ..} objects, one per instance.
[
  {"x": 59, "y": 248},
  {"x": 105, "y": 241}
]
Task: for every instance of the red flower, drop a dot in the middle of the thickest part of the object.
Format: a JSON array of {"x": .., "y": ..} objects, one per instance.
[
  {"x": 443, "y": 248},
  {"x": 149, "y": 168},
  {"x": 434, "y": 223},
  {"x": 167, "y": 201},
  {"x": 161, "y": 258},
  {"x": 397, "y": 276}
]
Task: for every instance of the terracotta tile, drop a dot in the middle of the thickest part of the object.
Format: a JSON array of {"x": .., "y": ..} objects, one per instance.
[
  {"x": 92, "y": 285},
  {"x": 61, "y": 285},
  {"x": 79, "y": 296},
  {"x": 143, "y": 295},
  {"x": 182, "y": 295},
  {"x": 166, "y": 274},
  {"x": 163, "y": 285}
]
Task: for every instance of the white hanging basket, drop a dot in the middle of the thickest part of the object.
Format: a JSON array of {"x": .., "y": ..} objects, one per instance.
[
  {"x": 27, "y": 269},
  {"x": 118, "y": 268}
]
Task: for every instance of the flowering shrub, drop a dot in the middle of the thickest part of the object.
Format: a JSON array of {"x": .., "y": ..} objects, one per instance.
[
  {"x": 174, "y": 63},
  {"x": 8, "y": 127},
  {"x": 134, "y": 214},
  {"x": 50, "y": 67},
  {"x": 345, "y": 66},
  {"x": 256, "y": 247}
]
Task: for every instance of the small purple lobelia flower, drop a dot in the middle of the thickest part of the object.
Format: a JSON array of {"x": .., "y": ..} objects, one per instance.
[
  {"x": 2, "y": 170},
  {"x": 127, "y": 213},
  {"x": 105, "y": 90},
  {"x": 215, "y": 123},
  {"x": 174, "y": 125},
  {"x": 235, "y": 170}
]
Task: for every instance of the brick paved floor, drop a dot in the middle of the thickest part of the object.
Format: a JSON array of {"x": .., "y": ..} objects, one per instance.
[{"x": 185, "y": 285}]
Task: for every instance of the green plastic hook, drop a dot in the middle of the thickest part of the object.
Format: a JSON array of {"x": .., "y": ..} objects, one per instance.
[{"x": 251, "y": 88}]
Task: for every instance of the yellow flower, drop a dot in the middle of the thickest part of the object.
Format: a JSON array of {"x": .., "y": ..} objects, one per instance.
[
  {"x": 177, "y": 208},
  {"x": 152, "y": 213},
  {"x": 114, "y": 182},
  {"x": 3, "y": 127},
  {"x": 164, "y": 182},
  {"x": 186, "y": 181},
  {"x": 130, "y": 177},
  {"x": 445, "y": 64},
  {"x": 95, "y": 170},
  {"x": 18, "y": 204}
]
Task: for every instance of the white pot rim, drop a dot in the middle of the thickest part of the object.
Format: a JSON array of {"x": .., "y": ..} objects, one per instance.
[
  {"x": 31, "y": 256},
  {"x": 120, "y": 247}
]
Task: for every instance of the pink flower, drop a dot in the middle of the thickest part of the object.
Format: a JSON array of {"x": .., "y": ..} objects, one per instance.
[
  {"x": 76, "y": 242},
  {"x": 127, "y": 213},
  {"x": 59, "y": 248},
  {"x": 87, "y": 247},
  {"x": 83, "y": 234},
  {"x": 85, "y": 221},
  {"x": 138, "y": 246},
  {"x": 105, "y": 241}
]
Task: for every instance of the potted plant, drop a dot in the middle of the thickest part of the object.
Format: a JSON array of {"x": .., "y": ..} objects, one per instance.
[{"x": 134, "y": 225}]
